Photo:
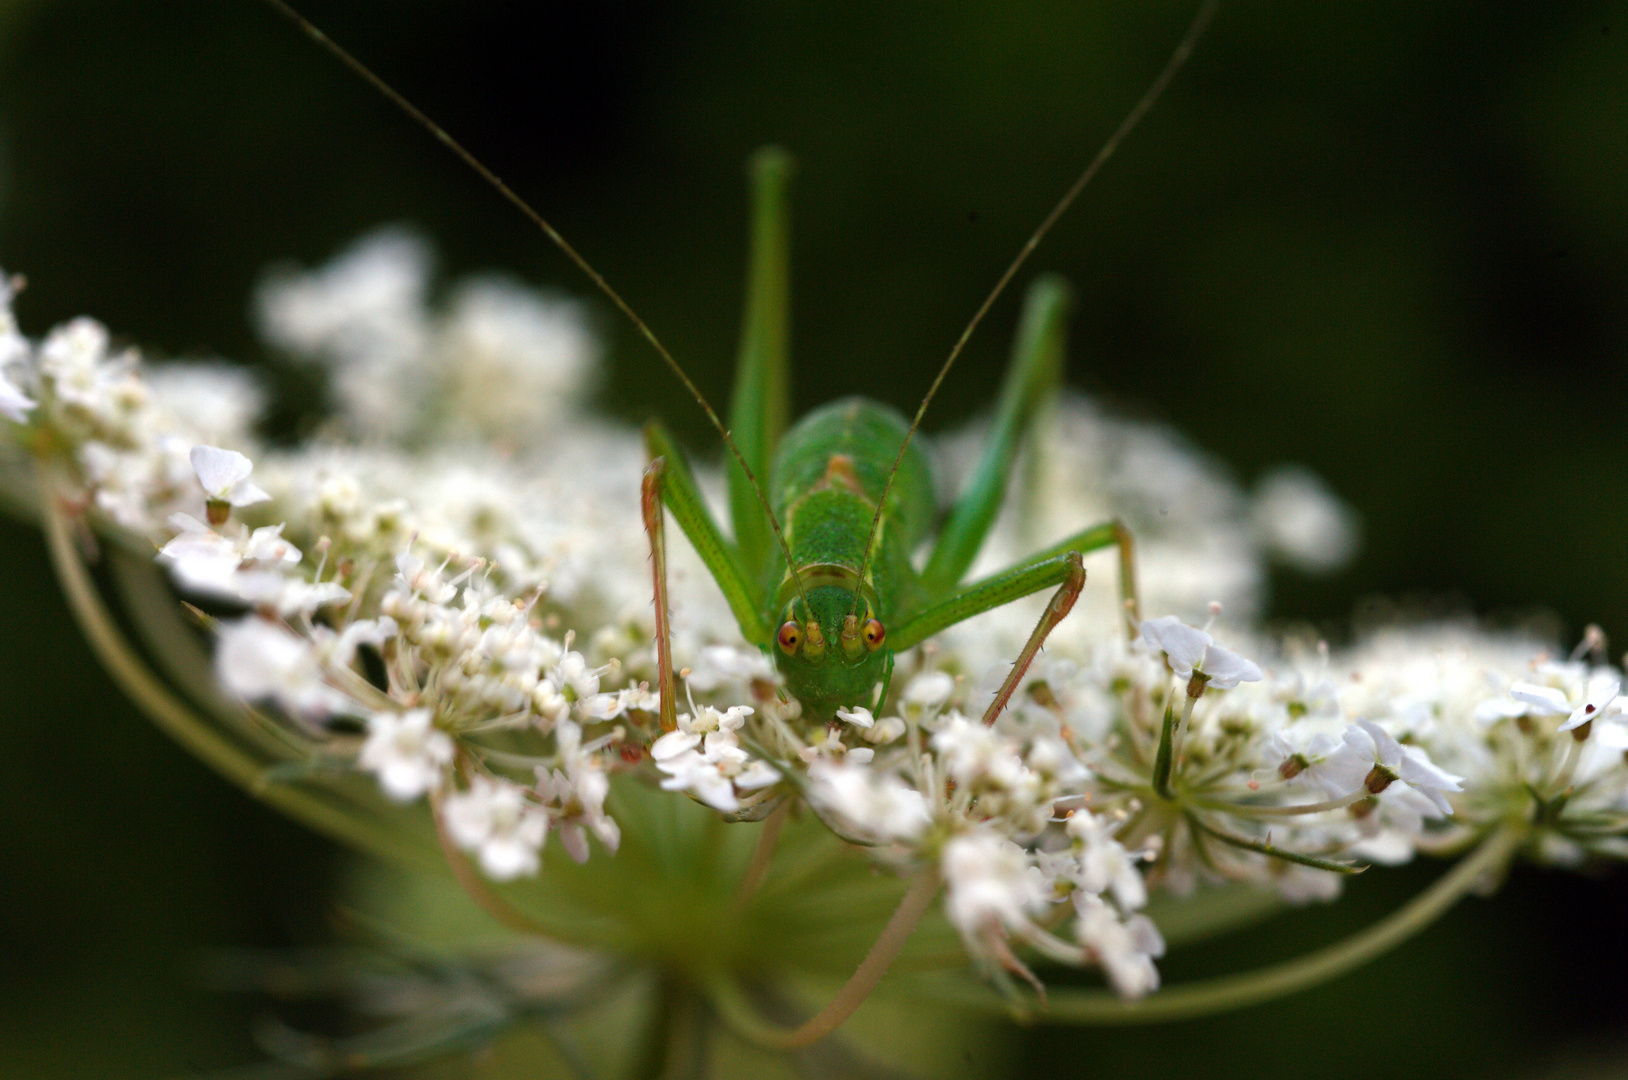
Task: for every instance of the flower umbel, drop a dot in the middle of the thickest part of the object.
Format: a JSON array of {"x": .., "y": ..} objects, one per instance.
[{"x": 434, "y": 646}]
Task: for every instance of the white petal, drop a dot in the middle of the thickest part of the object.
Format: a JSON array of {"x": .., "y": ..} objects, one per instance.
[
  {"x": 1602, "y": 691},
  {"x": 14, "y": 404},
  {"x": 1418, "y": 770},
  {"x": 1228, "y": 669},
  {"x": 1387, "y": 751},
  {"x": 1184, "y": 645},
  {"x": 1546, "y": 699},
  {"x": 929, "y": 689},
  {"x": 219, "y": 470},
  {"x": 672, "y": 744},
  {"x": 858, "y": 716}
]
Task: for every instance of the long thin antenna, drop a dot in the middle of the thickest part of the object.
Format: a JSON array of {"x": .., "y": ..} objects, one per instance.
[
  {"x": 1184, "y": 49},
  {"x": 395, "y": 98}
]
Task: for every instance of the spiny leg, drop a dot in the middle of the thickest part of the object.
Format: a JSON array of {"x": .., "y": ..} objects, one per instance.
[
  {"x": 668, "y": 483},
  {"x": 1039, "y": 571},
  {"x": 650, "y": 506},
  {"x": 1065, "y": 570},
  {"x": 1114, "y": 533},
  {"x": 1060, "y": 565}
]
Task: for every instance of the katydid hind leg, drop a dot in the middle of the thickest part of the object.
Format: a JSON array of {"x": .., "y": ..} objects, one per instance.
[
  {"x": 1031, "y": 380},
  {"x": 760, "y": 407}
]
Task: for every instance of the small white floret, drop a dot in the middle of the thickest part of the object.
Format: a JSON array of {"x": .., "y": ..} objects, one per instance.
[
  {"x": 878, "y": 804},
  {"x": 256, "y": 659},
  {"x": 1600, "y": 700},
  {"x": 1191, "y": 650},
  {"x": 858, "y": 716},
  {"x": 407, "y": 751},
  {"x": 1104, "y": 864},
  {"x": 1125, "y": 947},
  {"x": 990, "y": 884},
  {"x": 494, "y": 820},
  {"x": 224, "y": 475},
  {"x": 928, "y": 690}
]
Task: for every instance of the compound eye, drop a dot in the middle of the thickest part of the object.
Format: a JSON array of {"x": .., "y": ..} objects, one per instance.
[
  {"x": 874, "y": 634},
  {"x": 789, "y": 637}
]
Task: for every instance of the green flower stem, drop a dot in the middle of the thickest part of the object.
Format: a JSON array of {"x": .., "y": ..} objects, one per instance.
[
  {"x": 1164, "y": 760},
  {"x": 182, "y": 723},
  {"x": 737, "y": 1012},
  {"x": 1256, "y": 811},
  {"x": 1267, "y": 848},
  {"x": 1068, "y": 1006}
]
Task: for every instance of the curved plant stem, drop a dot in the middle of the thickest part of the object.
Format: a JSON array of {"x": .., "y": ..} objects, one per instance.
[
  {"x": 733, "y": 1007},
  {"x": 1266, "y": 848},
  {"x": 120, "y": 660},
  {"x": 768, "y": 838},
  {"x": 1065, "y": 1006}
]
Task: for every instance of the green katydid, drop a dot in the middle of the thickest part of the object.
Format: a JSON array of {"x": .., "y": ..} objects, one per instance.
[{"x": 819, "y": 572}]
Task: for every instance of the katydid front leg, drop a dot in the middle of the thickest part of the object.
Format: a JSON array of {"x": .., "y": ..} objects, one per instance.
[
  {"x": 757, "y": 416},
  {"x": 669, "y": 483},
  {"x": 1067, "y": 571}
]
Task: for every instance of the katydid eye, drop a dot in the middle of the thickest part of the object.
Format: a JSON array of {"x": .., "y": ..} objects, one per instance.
[
  {"x": 789, "y": 637},
  {"x": 874, "y": 634}
]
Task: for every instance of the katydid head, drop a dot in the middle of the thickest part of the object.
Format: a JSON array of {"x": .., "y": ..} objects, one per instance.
[{"x": 829, "y": 656}]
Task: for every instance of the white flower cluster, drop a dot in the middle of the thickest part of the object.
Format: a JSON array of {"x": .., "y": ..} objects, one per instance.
[
  {"x": 501, "y": 363},
  {"x": 473, "y": 625}
]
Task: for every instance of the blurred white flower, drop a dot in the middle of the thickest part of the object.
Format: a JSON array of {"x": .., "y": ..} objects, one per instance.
[
  {"x": 494, "y": 820},
  {"x": 406, "y": 750},
  {"x": 257, "y": 659},
  {"x": 1303, "y": 522},
  {"x": 1125, "y": 947},
  {"x": 14, "y": 404},
  {"x": 877, "y": 804}
]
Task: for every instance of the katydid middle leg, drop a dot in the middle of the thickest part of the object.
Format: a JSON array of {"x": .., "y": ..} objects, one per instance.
[{"x": 1061, "y": 565}]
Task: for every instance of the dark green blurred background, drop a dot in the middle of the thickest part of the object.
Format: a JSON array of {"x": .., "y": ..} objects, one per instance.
[{"x": 1388, "y": 241}]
